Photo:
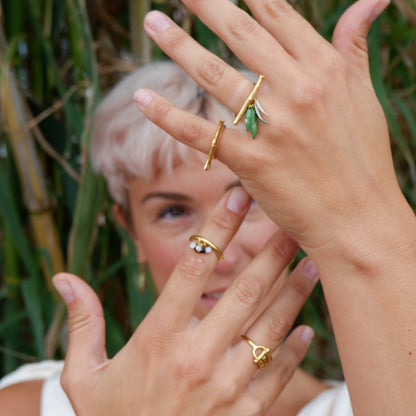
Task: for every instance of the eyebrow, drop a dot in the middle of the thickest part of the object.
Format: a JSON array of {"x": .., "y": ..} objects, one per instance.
[
  {"x": 166, "y": 195},
  {"x": 173, "y": 196}
]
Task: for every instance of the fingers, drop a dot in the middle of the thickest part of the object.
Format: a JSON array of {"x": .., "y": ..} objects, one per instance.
[
  {"x": 287, "y": 26},
  {"x": 275, "y": 323},
  {"x": 250, "y": 42},
  {"x": 86, "y": 323},
  {"x": 209, "y": 71},
  {"x": 186, "y": 285},
  {"x": 242, "y": 299},
  {"x": 272, "y": 327},
  {"x": 350, "y": 35},
  {"x": 270, "y": 382},
  {"x": 192, "y": 130}
]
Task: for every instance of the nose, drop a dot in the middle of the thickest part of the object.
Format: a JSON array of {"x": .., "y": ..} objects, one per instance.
[{"x": 232, "y": 259}]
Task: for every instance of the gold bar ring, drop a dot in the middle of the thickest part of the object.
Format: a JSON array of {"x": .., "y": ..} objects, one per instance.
[
  {"x": 249, "y": 100},
  {"x": 214, "y": 145}
]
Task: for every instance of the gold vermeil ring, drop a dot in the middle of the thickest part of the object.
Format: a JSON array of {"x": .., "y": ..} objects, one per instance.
[{"x": 214, "y": 145}]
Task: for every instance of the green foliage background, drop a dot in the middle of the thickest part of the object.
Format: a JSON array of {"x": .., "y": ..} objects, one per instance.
[{"x": 57, "y": 57}]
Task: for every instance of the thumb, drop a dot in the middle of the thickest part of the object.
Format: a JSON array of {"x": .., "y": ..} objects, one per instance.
[
  {"x": 86, "y": 324},
  {"x": 350, "y": 34}
]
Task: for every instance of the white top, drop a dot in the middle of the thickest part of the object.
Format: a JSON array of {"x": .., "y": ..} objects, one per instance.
[{"x": 332, "y": 402}]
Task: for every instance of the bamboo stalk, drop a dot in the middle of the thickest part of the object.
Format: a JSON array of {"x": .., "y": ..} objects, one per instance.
[
  {"x": 30, "y": 171},
  {"x": 141, "y": 46},
  {"x": 91, "y": 191}
]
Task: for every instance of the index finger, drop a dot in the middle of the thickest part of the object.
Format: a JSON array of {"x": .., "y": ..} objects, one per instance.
[{"x": 177, "y": 302}]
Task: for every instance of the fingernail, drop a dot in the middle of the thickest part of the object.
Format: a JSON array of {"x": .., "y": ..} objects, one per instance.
[
  {"x": 310, "y": 270},
  {"x": 238, "y": 200},
  {"x": 64, "y": 289},
  {"x": 142, "y": 98},
  {"x": 381, "y": 5},
  {"x": 307, "y": 335},
  {"x": 156, "y": 21}
]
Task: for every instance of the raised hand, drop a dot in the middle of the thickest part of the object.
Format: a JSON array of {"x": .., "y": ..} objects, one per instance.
[
  {"x": 316, "y": 150},
  {"x": 321, "y": 167},
  {"x": 177, "y": 365}
]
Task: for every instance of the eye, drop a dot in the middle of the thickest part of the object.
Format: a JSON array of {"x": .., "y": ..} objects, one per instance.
[{"x": 172, "y": 211}]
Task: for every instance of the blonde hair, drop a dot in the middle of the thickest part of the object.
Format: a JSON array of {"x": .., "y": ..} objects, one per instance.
[{"x": 126, "y": 144}]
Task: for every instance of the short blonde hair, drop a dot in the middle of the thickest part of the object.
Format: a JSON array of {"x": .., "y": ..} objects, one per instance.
[{"x": 126, "y": 144}]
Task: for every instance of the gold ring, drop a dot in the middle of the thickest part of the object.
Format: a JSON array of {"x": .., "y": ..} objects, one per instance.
[
  {"x": 202, "y": 245},
  {"x": 252, "y": 109},
  {"x": 214, "y": 145},
  {"x": 261, "y": 355}
]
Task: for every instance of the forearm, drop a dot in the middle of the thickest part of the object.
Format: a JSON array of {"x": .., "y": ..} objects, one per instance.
[{"x": 370, "y": 287}]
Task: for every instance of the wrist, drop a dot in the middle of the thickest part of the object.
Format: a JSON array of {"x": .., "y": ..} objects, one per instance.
[{"x": 367, "y": 241}]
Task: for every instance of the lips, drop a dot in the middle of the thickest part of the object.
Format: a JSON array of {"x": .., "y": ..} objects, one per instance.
[
  {"x": 215, "y": 295},
  {"x": 210, "y": 299}
]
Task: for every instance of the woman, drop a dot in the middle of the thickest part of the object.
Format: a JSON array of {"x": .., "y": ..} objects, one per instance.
[
  {"x": 187, "y": 356},
  {"x": 321, "y": 168}
]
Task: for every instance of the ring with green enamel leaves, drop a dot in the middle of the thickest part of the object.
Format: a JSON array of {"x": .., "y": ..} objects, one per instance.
[{"x": 253, "y": 110}]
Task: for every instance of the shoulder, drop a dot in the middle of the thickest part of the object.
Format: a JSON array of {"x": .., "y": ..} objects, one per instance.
[
  {"x": 34, "y": 390},
  {"x": 22, "y": 399}
]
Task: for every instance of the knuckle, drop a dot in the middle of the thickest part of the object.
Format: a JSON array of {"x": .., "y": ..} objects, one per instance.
[
  {"x": 279, "y": 325},
  {"x": 243, "y": 26},
  {"x": 212, "y": 71},
  {"x": 175, "y": 39},
  {"x": 193, "y": 369},
  {"x": 160, "y": 110},
  {"x": 286, "y": 372},
  {"x": 285, "y": 249},
  {"x": 192, "y": 267},
  {"x": 191, "y": 132},
  {"x": 154, "y": 339},
  {"x": 249, "y": 291},
  {"x": 255, "y": 407},
  {"x": 225, "y": 222},
  {"x": 227, "y": 394},
  {"x": 278, "y": 8},
  {"x": 299, "y": 349},
  {"x": 308, "y": 94},
  {"x": 301, "y": 289},
  {"x": 82, "y": 321},
  {"x": 190, "y": 3}
]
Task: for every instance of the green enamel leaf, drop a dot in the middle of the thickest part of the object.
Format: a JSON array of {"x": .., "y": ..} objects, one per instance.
[
  {"x": 249, "y": 117},
  {"x": 253, "y": 127}
]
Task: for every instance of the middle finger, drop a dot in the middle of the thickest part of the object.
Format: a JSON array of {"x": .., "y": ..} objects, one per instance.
[
  {"x": 249, "y": 41},
  {"x": 241, "y": 301}
]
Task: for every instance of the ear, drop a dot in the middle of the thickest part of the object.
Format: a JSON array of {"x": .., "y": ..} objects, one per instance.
[
  {"x": 126, "y": 224},
  {"x": 118, "y": 213},
  {"x": 141, "y": 254}
]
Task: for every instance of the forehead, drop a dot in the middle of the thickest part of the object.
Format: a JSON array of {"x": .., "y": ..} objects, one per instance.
[{"x": 187, "y": 177}]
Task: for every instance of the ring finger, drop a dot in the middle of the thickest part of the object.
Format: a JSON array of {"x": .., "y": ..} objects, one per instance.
[{"x": 273, "y": 326}]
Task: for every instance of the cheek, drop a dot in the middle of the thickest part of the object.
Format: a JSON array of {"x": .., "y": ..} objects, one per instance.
[{"x": 162, "y": 260}]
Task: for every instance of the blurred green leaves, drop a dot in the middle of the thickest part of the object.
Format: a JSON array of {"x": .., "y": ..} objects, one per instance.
[{"x": 55, "y": 213}]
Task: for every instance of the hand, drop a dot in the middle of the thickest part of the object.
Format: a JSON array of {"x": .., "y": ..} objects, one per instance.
[
  {"x": 173, "y": 365},
  {"x": 326, "y": 165}
]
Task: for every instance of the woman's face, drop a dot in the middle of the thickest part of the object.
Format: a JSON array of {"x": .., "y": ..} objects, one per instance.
[{"x": 168, "y": 210}]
